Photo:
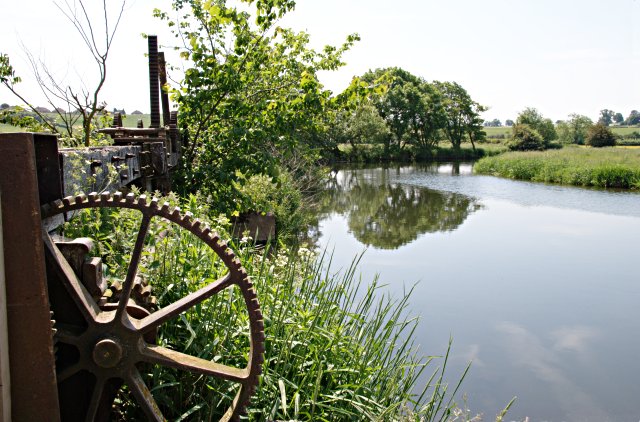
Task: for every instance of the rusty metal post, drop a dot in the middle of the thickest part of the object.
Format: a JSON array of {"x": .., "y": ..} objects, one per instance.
[
  {"x": 154, "y": 81},
  {"x": 164, "y": 96},
  {"x": 5, "y": 384},
  {"x": 34, "y": 394}
]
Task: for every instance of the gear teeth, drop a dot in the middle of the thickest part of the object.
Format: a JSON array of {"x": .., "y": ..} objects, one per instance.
[
  {"x": 142, "y": 293},
  {"x": 68, "y": 201}
]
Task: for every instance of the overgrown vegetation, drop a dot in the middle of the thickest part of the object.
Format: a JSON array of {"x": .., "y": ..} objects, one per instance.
[
  {"x": 336, "y": 349},
  {"x": 606, "y": 167}
]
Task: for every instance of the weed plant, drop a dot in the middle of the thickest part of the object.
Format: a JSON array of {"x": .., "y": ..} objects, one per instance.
[
  {"x": 336, "y": 349},
  {"x": 581, "y": 166}
]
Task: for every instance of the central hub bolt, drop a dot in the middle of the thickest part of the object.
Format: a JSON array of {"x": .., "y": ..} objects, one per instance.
[{"x": 107, "y": 353}]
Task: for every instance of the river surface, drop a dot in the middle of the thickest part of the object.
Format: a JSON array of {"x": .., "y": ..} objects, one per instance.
[{"x": 538, "y": 285}]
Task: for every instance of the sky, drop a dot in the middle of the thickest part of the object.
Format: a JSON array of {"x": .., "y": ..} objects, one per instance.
[{"x": 559, "y": 56}]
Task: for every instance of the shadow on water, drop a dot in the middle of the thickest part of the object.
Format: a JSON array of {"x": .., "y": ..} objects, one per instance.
[{"x": 386, "y": 214}]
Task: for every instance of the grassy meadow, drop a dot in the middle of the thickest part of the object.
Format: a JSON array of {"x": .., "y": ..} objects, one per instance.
[{"x": 614, "y": 167}]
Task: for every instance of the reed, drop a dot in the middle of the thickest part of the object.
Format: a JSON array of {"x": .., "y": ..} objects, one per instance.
[
  {"x": 581, "y": 166},
  {"x": 337, "y": 347}
]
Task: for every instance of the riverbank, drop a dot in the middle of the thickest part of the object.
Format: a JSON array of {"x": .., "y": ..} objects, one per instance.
[
  {"x": 615, "y": 167},
  {"x": 375, "y": 153}
]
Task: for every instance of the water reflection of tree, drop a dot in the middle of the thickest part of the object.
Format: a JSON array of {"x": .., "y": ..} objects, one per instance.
[{"x": 387, "y": 215}]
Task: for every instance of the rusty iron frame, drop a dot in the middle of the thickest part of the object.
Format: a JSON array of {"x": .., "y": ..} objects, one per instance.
[{"x": 31, "y": 356}]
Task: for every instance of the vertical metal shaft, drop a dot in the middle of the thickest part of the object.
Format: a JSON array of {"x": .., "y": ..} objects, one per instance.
[
  {"x": 164, "y": 96},
  {"x": 154, "y": 82}
]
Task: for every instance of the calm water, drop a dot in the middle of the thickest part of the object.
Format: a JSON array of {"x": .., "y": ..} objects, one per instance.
[{"x": 538, "y": 285}]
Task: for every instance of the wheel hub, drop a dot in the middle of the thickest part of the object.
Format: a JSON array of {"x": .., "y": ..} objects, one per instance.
[{"x": 107, "y": 353}]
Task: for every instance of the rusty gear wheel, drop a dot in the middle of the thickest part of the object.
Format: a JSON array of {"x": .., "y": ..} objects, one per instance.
[{"x": 109, "y": 344}]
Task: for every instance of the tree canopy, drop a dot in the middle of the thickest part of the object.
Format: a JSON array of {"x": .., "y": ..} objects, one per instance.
[{"x": 250, "y": 98}]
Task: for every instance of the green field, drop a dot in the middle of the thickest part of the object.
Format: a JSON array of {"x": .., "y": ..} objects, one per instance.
[
  {"x": 504, "y": 130},
  {"x": 128, "y": 121},
  {"x": 497, "y": 131},
  {"x": 573, "y": 165}
]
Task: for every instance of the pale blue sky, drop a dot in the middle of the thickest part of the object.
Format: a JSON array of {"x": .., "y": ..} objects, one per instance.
[{"x": 562, "y": 56}]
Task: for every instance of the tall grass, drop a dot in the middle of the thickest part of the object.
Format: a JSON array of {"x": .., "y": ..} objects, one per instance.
[
  {"x": 581, "y": 166},
  {"x": 337, "y": 347}
]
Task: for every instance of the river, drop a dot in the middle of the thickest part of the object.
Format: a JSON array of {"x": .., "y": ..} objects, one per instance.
[{"x": 538, "y": 285}]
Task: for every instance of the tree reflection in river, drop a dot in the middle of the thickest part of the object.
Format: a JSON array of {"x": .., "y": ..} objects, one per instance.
[{"x": 387, "y": 215}]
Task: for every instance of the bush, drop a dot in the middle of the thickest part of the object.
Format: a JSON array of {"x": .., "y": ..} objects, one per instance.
[
  {"x": 600, "y": 135},
  {"x": 525, "y": 138}
]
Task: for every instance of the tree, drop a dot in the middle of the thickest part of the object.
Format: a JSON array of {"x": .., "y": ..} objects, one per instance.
[
  {"x": 4, "y": 105},
  {"x": 508, "y": 122},
  {"x": 574, "y": 131},
  {"x": 81, "y": 104},
  {"x": 543, "y": 126},
  {"x": 411, "y": 107},
  {"x": 250, "y": 101},
  {"x": 526, "y": 138},
  {"x": 363, "y": 125},
  {"x": 634, "y": 118},
  {"x": 600, "y": 135},
  {"x": 606, "y": 117},
  {"x": 462, "y": 113},
  {"x": 618, "y": 118}
]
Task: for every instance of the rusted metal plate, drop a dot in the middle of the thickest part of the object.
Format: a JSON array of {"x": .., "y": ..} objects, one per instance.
[
  {"x": 5, "y": 384},
  {"x": 48, "y": 167},
  {"x": 33, "y": 382}
]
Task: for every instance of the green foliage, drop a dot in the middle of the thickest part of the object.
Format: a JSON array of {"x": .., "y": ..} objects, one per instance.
[
  {"x": 462, "y": 114},
  {"x": 363, "y": 125},
  {"x": 634, "y": 118},
  {"x": 526, "y": 138},
  {"x": 335, "y": 349},
  {"x": 411, "y": 107},
  {"x": 600, "y": 135},
  {"x": 615, "y": 167},
  {"x": 606, "y": 117},
  {"x": 283, "y": 198},
  {"x": 532, "y": 117},
  {"x": 18, "y": 117},
  {"x": 574, "y": 131},
  {"x": 250, "y": 98}
]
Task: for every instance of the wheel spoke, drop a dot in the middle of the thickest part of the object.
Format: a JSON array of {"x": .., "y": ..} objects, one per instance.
[
  {"x": 68, "y": 372},
  {"x": 133, "y": 267},
  {"x": 176, "y": 308},
  {"x": 143, "y": 396},
  {"x": 167, "y": 357},
  {"x": 85, "y": 303},
  {"x": 67, "y": 334},
  {"x": 96, "y": 399}
]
